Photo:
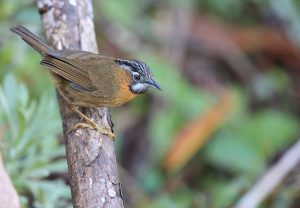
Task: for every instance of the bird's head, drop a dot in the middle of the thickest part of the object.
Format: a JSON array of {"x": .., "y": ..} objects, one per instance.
[{"x": 142, "y": 78}]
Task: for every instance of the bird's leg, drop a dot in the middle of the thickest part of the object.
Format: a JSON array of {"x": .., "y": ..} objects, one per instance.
[{"x": 91, "y": 124}]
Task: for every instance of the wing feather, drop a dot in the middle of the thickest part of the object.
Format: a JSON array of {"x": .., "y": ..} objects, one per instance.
[
  {"x": 82, "y": 68},
  {"x": 68, "y": 72}
]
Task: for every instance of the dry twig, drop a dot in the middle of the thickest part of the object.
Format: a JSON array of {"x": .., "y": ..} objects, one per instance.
[
  {"x": 8, "y": 195},
  {"x": 272, "y": 178}
]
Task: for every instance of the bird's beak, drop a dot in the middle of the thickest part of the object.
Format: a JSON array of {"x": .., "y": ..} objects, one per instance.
[{"x": 154, "y": 84}]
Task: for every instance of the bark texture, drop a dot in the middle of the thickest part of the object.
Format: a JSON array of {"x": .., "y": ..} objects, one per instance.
[{"x": 94, "y": 180}]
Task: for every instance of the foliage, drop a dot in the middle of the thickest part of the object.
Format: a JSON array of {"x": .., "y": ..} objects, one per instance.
[{"x": 29, "y": 145}]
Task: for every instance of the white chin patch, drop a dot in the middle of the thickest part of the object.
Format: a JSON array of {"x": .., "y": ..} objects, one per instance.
[{"x": 139, "y": 87}]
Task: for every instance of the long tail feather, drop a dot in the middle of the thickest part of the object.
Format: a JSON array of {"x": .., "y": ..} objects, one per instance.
[{"x": 35, "y": 42}]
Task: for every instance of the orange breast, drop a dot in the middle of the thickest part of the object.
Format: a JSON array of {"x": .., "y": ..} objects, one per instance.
[
  {"x": 121, "y": 79},
  {"x": 124, "y": 80}
]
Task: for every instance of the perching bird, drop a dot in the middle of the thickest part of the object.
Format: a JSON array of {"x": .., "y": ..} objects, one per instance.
[{"x": 91, "y": 80}]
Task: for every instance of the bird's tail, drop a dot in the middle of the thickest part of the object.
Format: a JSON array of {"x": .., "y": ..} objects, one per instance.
[{"x": 35, "y": 42}]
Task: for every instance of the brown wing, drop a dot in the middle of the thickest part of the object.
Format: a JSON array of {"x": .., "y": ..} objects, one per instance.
[
  {"x": 92, "y": 72},
  {"x": 74, "y": 66}
]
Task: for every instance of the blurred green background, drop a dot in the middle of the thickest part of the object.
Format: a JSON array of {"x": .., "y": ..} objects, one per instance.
[{"x": 229, "y": 108}]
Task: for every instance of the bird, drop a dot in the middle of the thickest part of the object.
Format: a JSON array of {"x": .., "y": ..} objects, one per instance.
[{"x": 86, "y": 79}]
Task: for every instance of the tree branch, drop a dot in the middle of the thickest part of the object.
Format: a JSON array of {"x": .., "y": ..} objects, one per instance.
[
  {"x": 94, "y": 180},
  {"x": 271, "y": 179}
]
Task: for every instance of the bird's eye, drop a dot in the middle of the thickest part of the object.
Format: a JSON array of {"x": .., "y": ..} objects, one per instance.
[{"x": 136, "y": 77}]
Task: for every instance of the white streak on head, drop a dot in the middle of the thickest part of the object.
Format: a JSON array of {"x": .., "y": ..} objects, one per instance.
[{"x": 126, "y": 67}]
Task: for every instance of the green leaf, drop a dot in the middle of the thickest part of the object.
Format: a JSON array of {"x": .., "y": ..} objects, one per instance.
[
  {"x": 30, "y": 145},
  {"x": 246, "y": 147}
]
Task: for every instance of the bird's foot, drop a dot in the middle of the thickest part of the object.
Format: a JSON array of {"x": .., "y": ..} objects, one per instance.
[
  {"x": 100, "y": 129},
  {"x": 92, "y": 125}
]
